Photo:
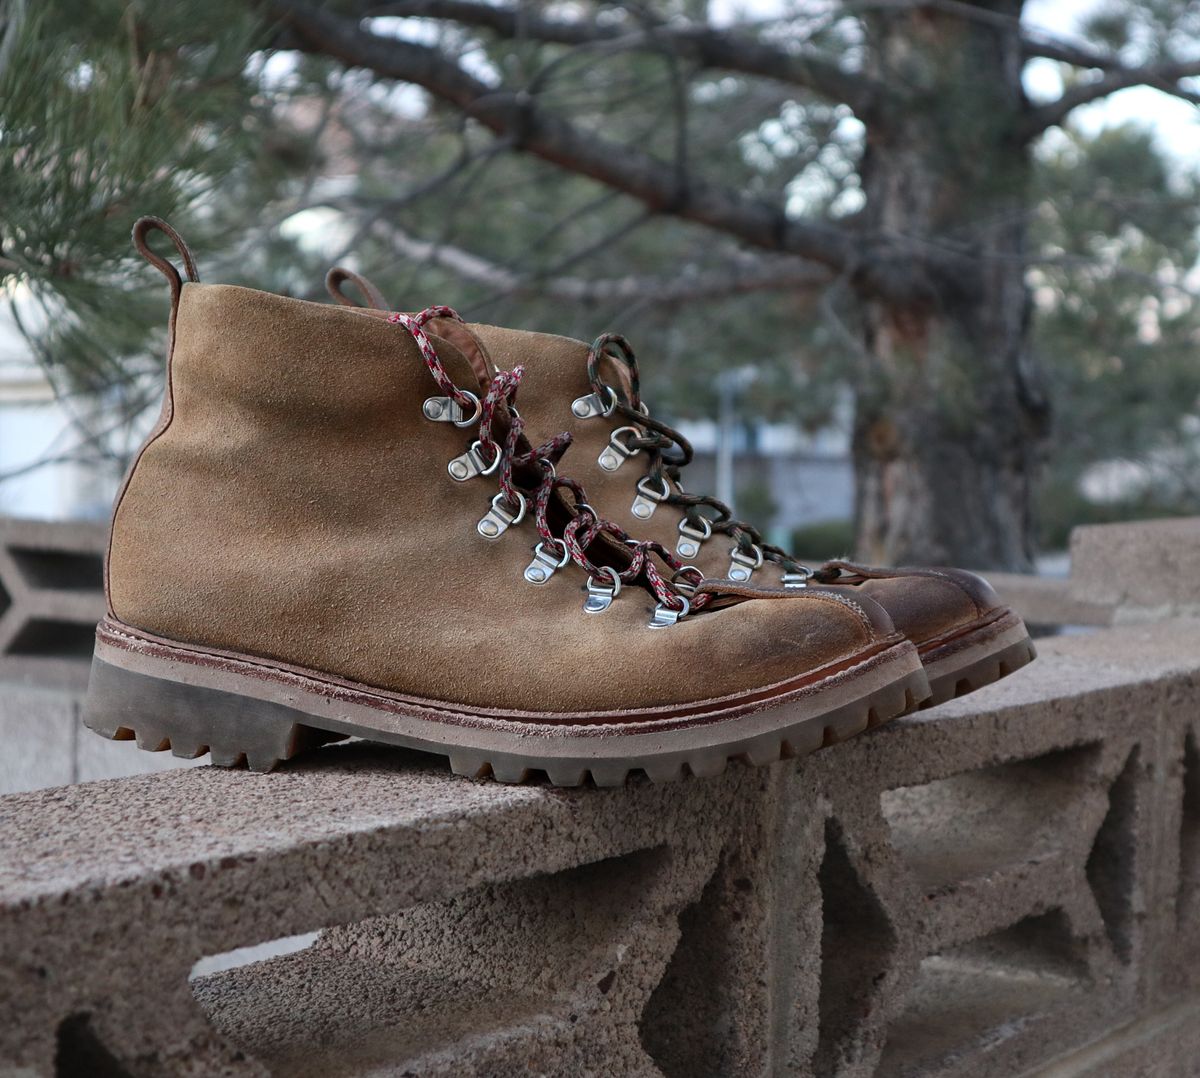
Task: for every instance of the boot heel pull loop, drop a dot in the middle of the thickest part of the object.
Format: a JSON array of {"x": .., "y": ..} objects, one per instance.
[
  {"x": 339, "y": 276},
  {"x": 141, "y": 229}
]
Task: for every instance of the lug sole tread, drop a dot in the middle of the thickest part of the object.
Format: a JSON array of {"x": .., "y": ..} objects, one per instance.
[
  {"x": 283, "y": 740},
  {"x": 985, "y": 671}
]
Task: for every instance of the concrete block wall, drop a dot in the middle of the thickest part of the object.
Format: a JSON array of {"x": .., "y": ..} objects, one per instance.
[
  {"x": 1008, "y": 884},
  {"x": 51, "y": 579}
]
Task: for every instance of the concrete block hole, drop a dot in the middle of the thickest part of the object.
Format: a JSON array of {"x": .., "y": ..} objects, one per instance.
[
  {"x": 858, "y": 945},
  {"x": 982, "y": 822},
  {"x": 79, "y": 1053},
  {"x": 971, "y": 998},
  {"x": 1188, "y": 900},
  {"x": 52, "y": 637},
  {"x": 541, "y": 960},
  {"x": 1111, "y": 865},
  {"x": 59, "y": 569}
]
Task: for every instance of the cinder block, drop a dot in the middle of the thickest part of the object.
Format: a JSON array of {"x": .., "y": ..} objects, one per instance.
[
  {"x": 1147, "y": 570},
  {"x": 993, "y": 887}
]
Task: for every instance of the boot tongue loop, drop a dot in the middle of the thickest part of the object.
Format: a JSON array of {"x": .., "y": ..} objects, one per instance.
[
  {"x": 340, "y": 275},
  {"x": 457, "y": 333},
  {"x": 452, "y": 329}
]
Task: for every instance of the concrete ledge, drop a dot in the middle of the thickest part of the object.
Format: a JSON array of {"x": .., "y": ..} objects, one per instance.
[
  {"x": 1149, "y": 569},
  {"x": 982, "y": 889}
]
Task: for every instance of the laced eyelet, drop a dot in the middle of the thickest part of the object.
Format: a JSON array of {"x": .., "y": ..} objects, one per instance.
[
  {"x": 742, "y": 565},
  {"x": 617, "y": 452},
  {"x": 449, "y": 410},
  {"x": 600, "y": 596},
  {"x": 544, "y": 564},
  {"x": 647, "y": 500},
  {"x": 690, "y": 537},
  {"x": 796, "y": 578},
  {"x": 501, "y": 516},
  {"x": 592, "y": 406},
  {"x": 682, "y": 586},
  {"x": 665, "y": 616},
  {"x": 472, "y": 463}
]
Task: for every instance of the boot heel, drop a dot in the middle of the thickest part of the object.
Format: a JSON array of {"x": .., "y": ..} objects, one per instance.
[{"x": 191, "y": 720}]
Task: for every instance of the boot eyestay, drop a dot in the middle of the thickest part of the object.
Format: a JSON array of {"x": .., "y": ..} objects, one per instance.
[
  {"x": 658, "y": 439},
  {"x": 595, "y": 405},
  {"x": 506, "y": 451},
  {"x": 743, "y": 563},
  {"x": 618, "y": 452},
  {"x": 545, "y": 564},
  {"x": 600, "y": 596}
]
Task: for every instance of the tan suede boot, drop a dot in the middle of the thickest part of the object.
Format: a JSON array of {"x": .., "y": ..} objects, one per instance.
[
  {"x": 966, "y": 637},
  {"x": 326, "y": 536}
]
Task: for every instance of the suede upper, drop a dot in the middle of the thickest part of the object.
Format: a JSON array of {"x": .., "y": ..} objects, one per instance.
[{"x": 295, "y": 505}]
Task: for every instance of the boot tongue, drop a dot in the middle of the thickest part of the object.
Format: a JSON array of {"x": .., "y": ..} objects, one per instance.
[{"x": 469, "y": 344}]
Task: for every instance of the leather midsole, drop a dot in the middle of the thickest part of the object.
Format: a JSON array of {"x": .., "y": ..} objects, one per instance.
[
  {"x": 320, "y": 694},
  {"x": 978, "y": 641}
]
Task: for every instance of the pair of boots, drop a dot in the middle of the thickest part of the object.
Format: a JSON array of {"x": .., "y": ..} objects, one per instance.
[{"x": 345, "y": 523}]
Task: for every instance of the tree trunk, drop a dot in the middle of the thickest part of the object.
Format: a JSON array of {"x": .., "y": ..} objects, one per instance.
[{"x": 951, "y": 421}]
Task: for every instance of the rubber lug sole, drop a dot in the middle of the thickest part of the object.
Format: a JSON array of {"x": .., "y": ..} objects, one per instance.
[
  {"x": 976, "y": 663},
  {"x": 235, "y": 728}
]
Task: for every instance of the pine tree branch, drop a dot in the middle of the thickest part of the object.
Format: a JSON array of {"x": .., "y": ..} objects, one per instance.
[
  {"x": 517, "y": 117},
  {"x": 753, "y": 275},
  {"x": 703, "y": 45},
  {"x": 1164, "y": 77}
]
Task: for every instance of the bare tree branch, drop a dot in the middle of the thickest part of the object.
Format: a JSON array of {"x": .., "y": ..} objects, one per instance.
[
  {"x": 1164, "y": 77},
  {"x": 749, "y": 275},
  {"x": 518, "y": 118},
  {"x": 703, "y": 45}
]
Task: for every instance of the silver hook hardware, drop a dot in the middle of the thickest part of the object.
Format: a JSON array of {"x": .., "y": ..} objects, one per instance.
[
  {"x": 501, "y": 516},
  {"x": 796, "y": 579},
  {"x": 617, "y": 452},
  {"x": 690, "y": 538},
  {"x": 600, "y": 596},
  {"x": 742, "y": 565},
  {"x": 647, "y": 500},
  {"x": 545, "y": 564},
  {"x": 664, "y": 616},
  {"x": 592, "y": 405},
  {"x": 472, "y": 463},
  {"x": 684, "y": 587},
  {"x": 448, "y": 410}
]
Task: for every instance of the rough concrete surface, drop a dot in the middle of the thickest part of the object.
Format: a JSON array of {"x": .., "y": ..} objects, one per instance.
[
  {"x": 970, "y": 891},
  {"x": 1008, "y": 884},
  {"x": 1148, "y": 570}
]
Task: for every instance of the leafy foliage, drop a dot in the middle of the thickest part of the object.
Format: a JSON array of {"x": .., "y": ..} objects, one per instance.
[{"x": 276, "y": 164}]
